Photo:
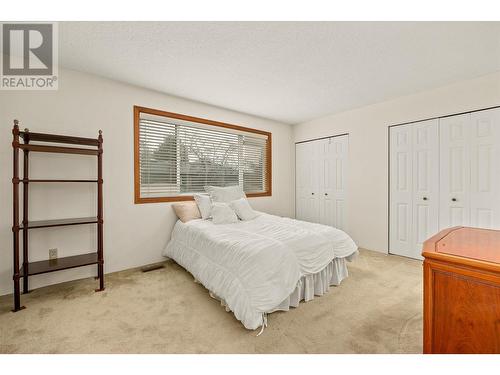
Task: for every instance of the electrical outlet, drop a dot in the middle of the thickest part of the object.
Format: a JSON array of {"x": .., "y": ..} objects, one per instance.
[{"x": 52, "y": 254}]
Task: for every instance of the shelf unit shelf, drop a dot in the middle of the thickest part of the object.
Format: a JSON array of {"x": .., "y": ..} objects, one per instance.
[
  {"x": 58, "y": 149},
  {"x": 59, "y": 222},
  {"x": 65, "y": 263},
  {"x": 55, "y": 181},
  {"x": 93, "y": 148},
  {"x": 55, "y": 138}
]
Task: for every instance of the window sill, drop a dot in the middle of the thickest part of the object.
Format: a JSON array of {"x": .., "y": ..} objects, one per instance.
[{"x": 181, "y": 198}]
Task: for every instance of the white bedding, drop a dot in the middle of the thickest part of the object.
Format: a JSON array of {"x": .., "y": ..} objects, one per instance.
[{"x": 255, "y": 265}]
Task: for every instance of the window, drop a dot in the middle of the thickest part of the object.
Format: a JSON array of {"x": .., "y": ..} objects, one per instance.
[{"x": 178, "y": 155}]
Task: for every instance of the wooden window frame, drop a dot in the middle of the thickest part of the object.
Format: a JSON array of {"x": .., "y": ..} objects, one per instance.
[{"x": 137, "y": 183}]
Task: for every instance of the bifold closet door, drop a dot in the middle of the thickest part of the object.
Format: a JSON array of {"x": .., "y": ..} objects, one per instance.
[
  {"x": 401, "y": 194},
  {"x": 307, "y": 181},
  {"x": 454, "y": 133},
  {"x": 470, "y": 170},
  {"x": 414, "y": 186},
  {"x": 333, "y": 182},
  {"x": 321, "y": 170},
  {"x": 443, "y": 173},
  {"x": 485, "y": 169}
]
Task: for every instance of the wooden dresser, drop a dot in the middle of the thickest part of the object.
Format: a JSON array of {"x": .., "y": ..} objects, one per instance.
[{"x": 462, "y": 291}]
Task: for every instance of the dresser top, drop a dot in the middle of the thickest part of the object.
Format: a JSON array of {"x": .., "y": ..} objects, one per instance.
[{"x": 472, "y": 243}]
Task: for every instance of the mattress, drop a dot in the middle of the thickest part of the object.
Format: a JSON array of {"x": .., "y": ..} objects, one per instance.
[{"x": 255, "y": 265}]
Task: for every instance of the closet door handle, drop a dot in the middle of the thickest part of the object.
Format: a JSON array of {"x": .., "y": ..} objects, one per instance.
[
  {"x": 453, "y": 199},
  {"x": 326, "y": 193},
  {"x": 312, "y": 193},
  {"x": 424, "y": 198}
]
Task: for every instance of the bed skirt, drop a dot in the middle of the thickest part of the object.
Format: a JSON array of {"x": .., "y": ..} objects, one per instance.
[
  {"x": 316, "y": 284},
  {"x": 309, "y": 286}
]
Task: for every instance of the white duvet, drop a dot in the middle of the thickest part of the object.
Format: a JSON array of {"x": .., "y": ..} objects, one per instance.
[{"x": 254, "y": 265}]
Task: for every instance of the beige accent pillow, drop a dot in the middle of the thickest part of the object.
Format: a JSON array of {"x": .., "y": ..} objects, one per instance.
[{"x": 186, "y": 211}]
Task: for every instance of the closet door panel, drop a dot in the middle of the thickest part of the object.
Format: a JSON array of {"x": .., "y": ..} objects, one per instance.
[
  {"x": 401, "y": 220},
  {"x": 340, "y": 214},
  {"x": 307, "y": 181},
  {"x": 327, "y": 208},
  {"x": 333, "y": 195},
  {"x": 485, "y": 169},
  {"x": 425, "y": 182},
  {"x": 338, "y": 152},
  {"x": 327, "y": 180},
  {"x": 303, "y": 176},
  {"x": 454, "y": 135},
  {"x": 321, "y": 168},
  {"x": 300, "y": 178},
  {"x": 315, "y": 166},
  {"x": 341, "y": 146}
]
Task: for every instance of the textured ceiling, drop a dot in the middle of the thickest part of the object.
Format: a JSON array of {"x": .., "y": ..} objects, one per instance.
[{"x": 286, "y": 71}]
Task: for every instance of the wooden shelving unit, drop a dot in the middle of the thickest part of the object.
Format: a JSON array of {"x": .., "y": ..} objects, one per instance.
[{"x": 93, "y": 147}]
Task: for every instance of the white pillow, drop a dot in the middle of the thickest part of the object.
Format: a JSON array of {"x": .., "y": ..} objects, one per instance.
[
  {"x": 243, "y": 209},
  {"x": 223, "y": 214},
  {"x": 204, "y": 204},
  {"x": 225, "y": 194}
]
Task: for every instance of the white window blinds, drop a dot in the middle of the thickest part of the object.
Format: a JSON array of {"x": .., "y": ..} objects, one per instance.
[{"x": 178, "y": 157}]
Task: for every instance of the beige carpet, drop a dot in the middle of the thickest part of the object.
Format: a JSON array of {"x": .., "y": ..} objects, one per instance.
[{"x": 378, "y": 309}]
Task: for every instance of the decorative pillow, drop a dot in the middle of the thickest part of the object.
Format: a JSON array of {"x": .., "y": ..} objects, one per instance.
[
  {"x": 186, "y": 211},
  {"x": 204, "y": 204},
  {"x": 243, "y": 209},
  {"x": 225, "y": 194},
  {"x": 223, "y": 214}
]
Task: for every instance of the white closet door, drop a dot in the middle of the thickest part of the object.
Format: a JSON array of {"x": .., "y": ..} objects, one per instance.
[
  {"x": 401, "y": 180},
  {"x": 425, "y": 216},
  {"x": 340, "y": 146},
  {"x": 300, "y": 179},
  {"x": 326, "y": 180},
  {"x": 333, "y": 181},
  {"x": 485, "y": 169},
  {"x": 455, "y": 173},
  {"x": 321, "y": 168},
  {"x": 443, "y": 173},
  {"x": 307, "y": 181},
  {"x": 414, "y": 186}
]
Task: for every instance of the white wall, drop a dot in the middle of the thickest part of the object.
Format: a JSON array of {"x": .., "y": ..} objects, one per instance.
[
  {"x": 134, "y": 235},
  {"x": 368, "y": 146}
]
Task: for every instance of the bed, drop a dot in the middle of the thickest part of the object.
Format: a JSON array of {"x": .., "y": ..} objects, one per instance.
[{"x": 259, "y": 266}]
